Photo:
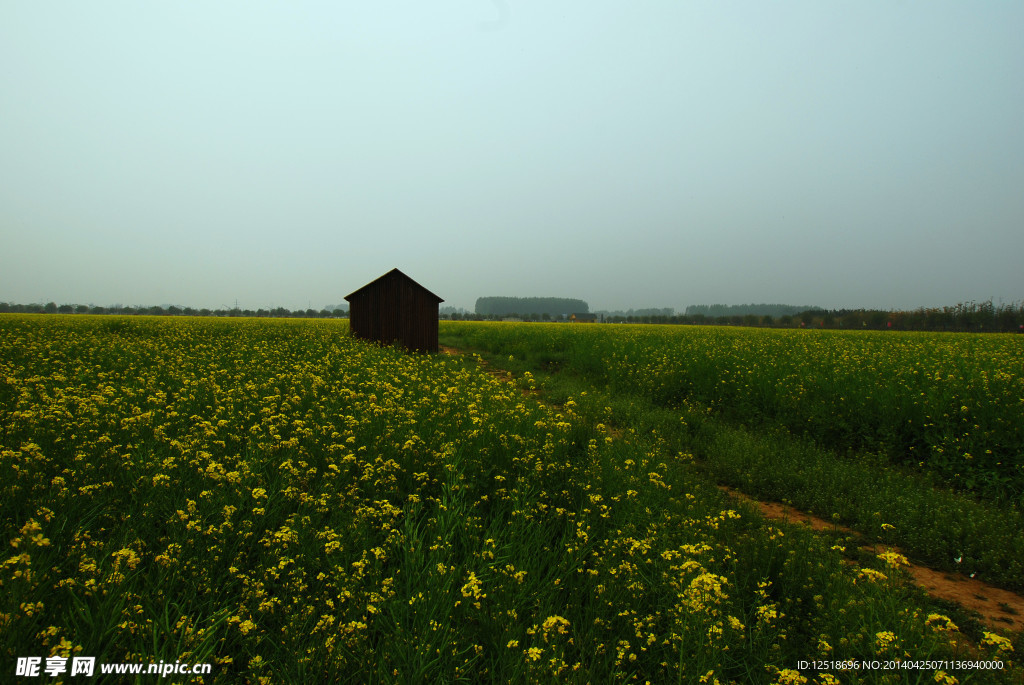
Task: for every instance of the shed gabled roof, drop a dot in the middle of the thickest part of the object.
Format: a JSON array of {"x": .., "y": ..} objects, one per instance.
[{"x": 394, "y": 273}]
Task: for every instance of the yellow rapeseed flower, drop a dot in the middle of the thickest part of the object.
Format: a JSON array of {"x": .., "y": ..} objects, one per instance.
[
  {"x": 789, "y": 676},
  {"x": 1001, "y": 644}
]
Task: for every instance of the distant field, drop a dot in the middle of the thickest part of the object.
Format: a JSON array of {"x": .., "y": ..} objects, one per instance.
[
  {"x": 951, "y": 404},
  {"x": 292, "y": 505}
]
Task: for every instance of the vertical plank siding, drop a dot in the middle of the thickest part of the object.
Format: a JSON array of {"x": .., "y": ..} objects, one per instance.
[{"x": 394, "y": 309}]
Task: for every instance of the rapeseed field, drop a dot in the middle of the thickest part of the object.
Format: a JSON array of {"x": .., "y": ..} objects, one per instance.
[
  {"x": 293, "y": 505},
  {"x": 951, "y": 404},
  {"x": 914, "y": 439}
]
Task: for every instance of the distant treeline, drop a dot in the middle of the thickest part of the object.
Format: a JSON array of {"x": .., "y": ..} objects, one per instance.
[
  {"x": 170, "y": 310},
  {"x": 774, "y": 310},
  {"x": 966, "y": 316},
  {"x": 528, "y": 306},
  {"x": 650, "y": 311}
]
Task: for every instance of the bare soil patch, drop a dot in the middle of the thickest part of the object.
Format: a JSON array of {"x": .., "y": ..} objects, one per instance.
[{"x": 998, "y": 608}]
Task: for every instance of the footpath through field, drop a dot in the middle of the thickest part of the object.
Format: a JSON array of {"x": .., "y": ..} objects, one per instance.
[{"x": 998, "y": 608}]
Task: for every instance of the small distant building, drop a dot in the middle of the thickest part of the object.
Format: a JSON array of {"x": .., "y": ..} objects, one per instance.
[
  {"x": 583, "y": 318},
  {"x": 394, "y": 309}
]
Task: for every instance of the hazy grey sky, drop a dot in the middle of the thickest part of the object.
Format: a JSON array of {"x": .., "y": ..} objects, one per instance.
[{"x": 632, "y": 154}]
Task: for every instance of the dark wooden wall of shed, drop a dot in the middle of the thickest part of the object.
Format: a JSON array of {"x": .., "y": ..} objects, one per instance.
[{"x": 395, "y": 311}]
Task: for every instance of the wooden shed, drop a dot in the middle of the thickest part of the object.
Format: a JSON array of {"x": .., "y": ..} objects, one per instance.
[{"x": 394, "y": 309}]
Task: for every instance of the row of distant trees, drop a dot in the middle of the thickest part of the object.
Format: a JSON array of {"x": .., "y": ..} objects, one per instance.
[
  {"x": 772, "y": 310},
  {"x": 966, "y": 316},
  {"x": 528, "y": 306},
  {"x": 172, "y": 310},
  {"x": 512, "y": 315}
]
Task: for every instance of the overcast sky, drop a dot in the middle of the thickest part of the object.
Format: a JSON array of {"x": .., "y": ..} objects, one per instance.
[{"x": 631, "y": 154}]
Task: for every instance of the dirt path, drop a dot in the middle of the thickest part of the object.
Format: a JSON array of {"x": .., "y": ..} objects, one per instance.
[
  {"x": 487, "y": 368},
  {"x": 998, "y": 608}
]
